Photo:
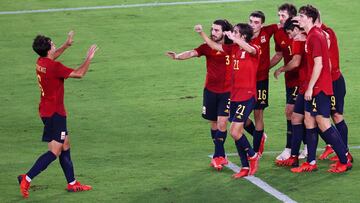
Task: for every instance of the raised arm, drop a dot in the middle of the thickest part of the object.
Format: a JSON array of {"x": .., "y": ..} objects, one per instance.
[
  {"x": 182, "y": 56},
  {"x": 212, "y": 44},
  {"x": 242, "y": 43},
  {"x": 66, "y": 44},
  {"x": 83, "y": 68}
]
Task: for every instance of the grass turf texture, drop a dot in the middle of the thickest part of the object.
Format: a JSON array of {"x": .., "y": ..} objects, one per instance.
[{"x": 134, "y": 120}]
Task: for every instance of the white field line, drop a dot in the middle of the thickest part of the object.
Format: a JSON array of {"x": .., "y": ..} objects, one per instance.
[
  {"x": 155, "y": 4},
  {"x": 261, "y": 184},
  {"x": 276, "y": 152}
]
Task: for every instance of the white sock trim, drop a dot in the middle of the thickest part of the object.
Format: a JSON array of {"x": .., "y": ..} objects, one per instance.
[{"x": 28, "y": 179}]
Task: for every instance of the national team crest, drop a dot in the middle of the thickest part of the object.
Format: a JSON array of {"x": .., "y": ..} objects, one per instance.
[{"x": 263, "y": 39}]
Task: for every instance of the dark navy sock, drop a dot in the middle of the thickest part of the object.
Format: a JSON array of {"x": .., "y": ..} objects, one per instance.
[
  {"x": 219, "y": 143},
  {"x": 67, "y": 165},
  {"x": 304, "y": 135},
  {"x": 288, "y": 134},
  {"x": 257, "y": 139},
  {"x": 297, "y": 137},
  {"x": 244, "y": 144},
  {"x": 243, "y": 158},
  {"x": 213, "y": 135},
  {"x": 332, "y": 136},
  {"x": 250, "y": 128},
  {"x": 312, "y": 139},
  {"x": 41, "y": 164},
  {"x": 343, "y": 130},
  {"x": 242, "y": 154}
]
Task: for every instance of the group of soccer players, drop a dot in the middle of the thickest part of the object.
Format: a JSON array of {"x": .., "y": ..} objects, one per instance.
[{"x": 237, "y": 83}]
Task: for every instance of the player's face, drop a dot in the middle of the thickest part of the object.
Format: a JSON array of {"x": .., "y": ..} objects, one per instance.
[
  {"x": 255, "y": 23},
  {"x": 216, "y": 33},
  {"x": 292, "y": 33},
  {"x": 283, "y": 16},
  {"x": 304, "y": 20},
  {"x": 237, "y": 33}
]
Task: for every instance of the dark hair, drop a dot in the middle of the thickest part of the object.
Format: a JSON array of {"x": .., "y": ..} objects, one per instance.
[
  {"x": 41, "y": 45},
  {"x": 290, "y": 8},
  {"x": 258, "y": 14},
  {"x": 246, "y": 30},
  {"x": 310, "y": 12},
  {"x": 291, "y": 24},
  {"x": 225, "y": 26}
]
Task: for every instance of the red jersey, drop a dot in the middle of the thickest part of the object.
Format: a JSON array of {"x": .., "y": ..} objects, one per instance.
[
  {"x": 51, "y": 75},
  {"x": 263, "y": 41},
  {"x": 218, "y": 71},
  {"x": 283, "y": 45},
  {"x": 333, "y": 52},
  {"x": 298, "y": 48},
  {"x": 316, "y": 45},
  {"x": 243, "y": 81}
]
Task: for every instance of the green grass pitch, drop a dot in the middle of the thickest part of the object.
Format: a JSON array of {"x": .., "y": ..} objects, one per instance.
[{"x": 135, "y": 119}]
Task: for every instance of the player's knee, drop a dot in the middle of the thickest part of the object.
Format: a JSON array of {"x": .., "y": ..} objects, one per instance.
[
  {"x": 323, "y": 123},
  {"x": 56, "y": 151},
  {"x": 288, "y": 112},
  {"x": 297, "y": 119},
  {"x": 221, "y": 126},
  {"x": 337, "y": 118},
  {"x": 309, "y": 122}
]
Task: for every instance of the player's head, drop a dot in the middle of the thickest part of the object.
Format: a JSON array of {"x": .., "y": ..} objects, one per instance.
[
  {"x": 256, "y": 20},
  {"x": 244, "y": 31},
  {"x": 43, "y": 45},
  {"x": 292, "y": 28},
  {"x": 308, "y": 15},
  {"x": 217, "y": 30},
  {"x": 286, "y": 11}
]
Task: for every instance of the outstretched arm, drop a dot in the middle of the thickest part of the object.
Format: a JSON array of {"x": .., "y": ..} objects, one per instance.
[
  {"x": 212, "y": 44},
  {"x": 83, "y": 68},
  {"x": 67, "y": 44},
  {"x": 182, "y": 56}
]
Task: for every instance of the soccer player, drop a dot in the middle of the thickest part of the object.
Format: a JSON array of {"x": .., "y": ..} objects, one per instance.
[
  {"x": 217, "y": 87},
  {"x": 243, "y": 89},
  {"x": 261, "y": 38},
  {"x": 51, "y": 75},
  {"x": 339, "y": 88},
  {"x": 283, "y": 48},
  {"x": 299, "y": 62},
  {"x": 317, "y": 96}
]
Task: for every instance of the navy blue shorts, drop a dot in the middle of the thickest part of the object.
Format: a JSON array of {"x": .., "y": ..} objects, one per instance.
[
  {"x": 262, "y": 88},
  {"x": 319, "y": 105},
  {"x": 299, "y": 104},
  {"x": 337, "y": 100},
  {"x": 54, "y": 128},
  {"x": 240, "y": 111},
  {"x": 291, "y": 93},
  {"x": 215, "y": 104}
]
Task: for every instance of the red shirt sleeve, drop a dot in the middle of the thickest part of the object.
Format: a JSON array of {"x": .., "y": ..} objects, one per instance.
[
  {"x": 316, "y": 47},
  {"x": 271, "y": 29},
  {"x": 62, "y": 71},
  {"x": 277, "y": 47},
  {"x": 201, "y": 50}
]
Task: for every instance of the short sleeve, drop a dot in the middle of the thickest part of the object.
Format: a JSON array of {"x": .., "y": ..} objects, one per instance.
[
  {"x": 271, "y": 29},
  {"x": 62, "y": 71},
  {"x": 201, "y": 50},
  {"x": 316, "y": 47}
]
